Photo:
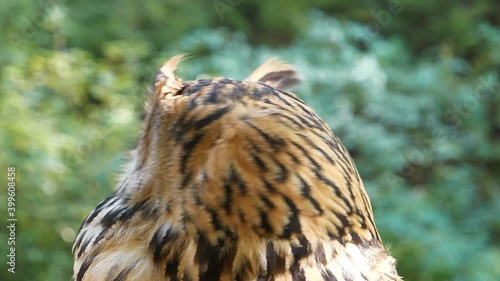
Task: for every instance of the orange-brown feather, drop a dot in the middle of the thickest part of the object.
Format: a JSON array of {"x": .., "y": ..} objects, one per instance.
[{"x": 234, "y": 180}]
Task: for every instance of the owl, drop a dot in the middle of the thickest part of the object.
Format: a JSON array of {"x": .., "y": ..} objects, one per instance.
[{"x": 233, "y": 180}]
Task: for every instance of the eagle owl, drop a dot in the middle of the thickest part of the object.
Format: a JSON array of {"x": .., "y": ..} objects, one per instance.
[{"x": 233, "y": 180}]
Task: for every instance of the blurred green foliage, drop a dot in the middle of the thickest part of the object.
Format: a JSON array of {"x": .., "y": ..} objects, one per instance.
[{"x": 411, "y": 88}]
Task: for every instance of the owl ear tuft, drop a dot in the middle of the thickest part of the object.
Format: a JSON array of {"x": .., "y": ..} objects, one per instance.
[
  {"x": 165, "y": 81},
  {"x": 276, "y": 73}
]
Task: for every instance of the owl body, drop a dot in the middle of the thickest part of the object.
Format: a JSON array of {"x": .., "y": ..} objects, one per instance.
[{"x": 234, "y": 180}]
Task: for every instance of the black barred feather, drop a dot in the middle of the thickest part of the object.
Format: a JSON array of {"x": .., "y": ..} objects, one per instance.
[{"x": 234, "y": 180}]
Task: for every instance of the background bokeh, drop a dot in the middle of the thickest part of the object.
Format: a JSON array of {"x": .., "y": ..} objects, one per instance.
[{"x": 410, "y": 87}]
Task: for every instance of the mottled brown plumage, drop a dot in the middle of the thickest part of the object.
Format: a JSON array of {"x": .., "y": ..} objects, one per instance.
[{"x": 234, "y": 180}]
